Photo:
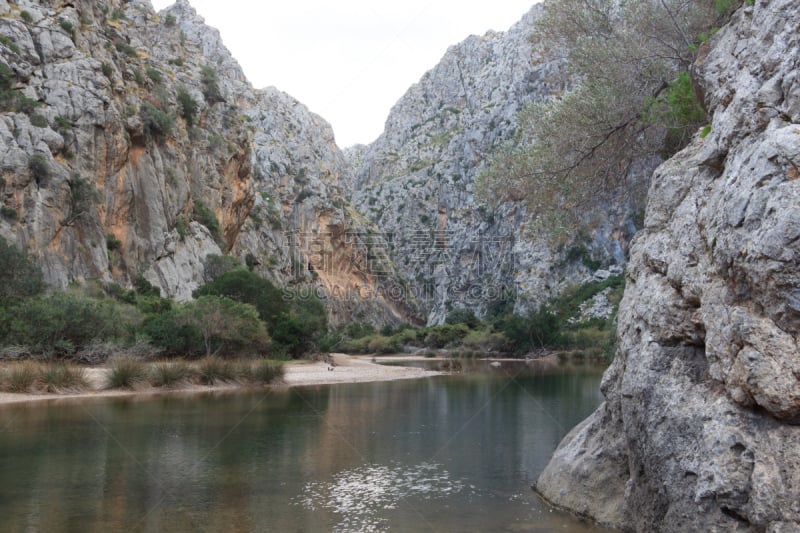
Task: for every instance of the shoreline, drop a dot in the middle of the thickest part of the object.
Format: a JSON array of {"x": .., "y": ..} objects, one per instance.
[{"x": 346, "y": 369}]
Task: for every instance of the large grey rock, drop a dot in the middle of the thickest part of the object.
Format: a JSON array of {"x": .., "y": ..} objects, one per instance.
[{"x": 703, "y": 399}]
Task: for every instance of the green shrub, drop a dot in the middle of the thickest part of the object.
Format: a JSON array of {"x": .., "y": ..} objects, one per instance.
[
  {"x": 155, "y": 75},
  {"x": 126, "y": 49},
  {"x": 63, "y": 124},
  {"x": 8, "y": 213},
  {"x": 67, "y": 27},
  {"x": 157, "y": 124},
  {"x": 40, "y": 169},
  {"x": 210, "y": 81},
  {"x": 463, "y": 316},
  {"x": 382, "y": 345},
  {"x": 170, "y": 20},
  {"x": 143, "y": 287},
  {"x": 8, "y": 43},
  {"x": 26, "y": 16},
  {"x": 357, "y": 330},
  {"x": 106, "y": 69},
  {"x": 188, "y": 107},
  {"x": 112, "y": 243},
  {"x": 226, "y": 326},
  {"x": 215, "y": 265},
  {"x": 207, "y": 217},
  {"x": 38, "y": 121},
  {"x": 486, "y": 341},
  {"x": 20, "y": 278},
  {"x": 446, "y": 335},
  {"x": 126, "y": 373},
  {"x": 172, "y": 335}
]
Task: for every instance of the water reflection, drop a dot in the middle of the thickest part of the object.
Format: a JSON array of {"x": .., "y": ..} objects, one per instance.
[{"x": 448, "y": 453}]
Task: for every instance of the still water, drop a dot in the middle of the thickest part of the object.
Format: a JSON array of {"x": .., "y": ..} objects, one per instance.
[{"x": 449, "y": 453}]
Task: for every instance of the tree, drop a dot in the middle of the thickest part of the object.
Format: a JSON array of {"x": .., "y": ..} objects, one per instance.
[
  {"x": 631, "y": 101},
  {"x": 20, "y": 278},
  {"x": 225, "y": 324}
]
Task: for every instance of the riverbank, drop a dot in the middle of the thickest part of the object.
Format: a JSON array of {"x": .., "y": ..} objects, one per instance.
[{"x": 341, "y": 368}]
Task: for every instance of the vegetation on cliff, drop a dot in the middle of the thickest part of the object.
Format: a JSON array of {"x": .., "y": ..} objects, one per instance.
[{"x": 632, "y": 102}]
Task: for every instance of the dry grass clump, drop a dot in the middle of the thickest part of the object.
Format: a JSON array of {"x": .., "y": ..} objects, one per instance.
[
  {"x": 126, "y": 373},
  {"x": 35, "y": 377}
]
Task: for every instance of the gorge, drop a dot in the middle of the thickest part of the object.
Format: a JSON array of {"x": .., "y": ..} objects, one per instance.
[{"x": 133, "y": 147}]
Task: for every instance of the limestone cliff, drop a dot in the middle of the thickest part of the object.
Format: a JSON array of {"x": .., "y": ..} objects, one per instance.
[
  {"x": 132, "y": 144},
  {"x": 699, "y": 431},
  {"x": 416, "y": 182}
]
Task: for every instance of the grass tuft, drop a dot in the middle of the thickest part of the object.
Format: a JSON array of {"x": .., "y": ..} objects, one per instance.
[
  {"x": 126, "y": 373},
  {"x": 170, "y": 374},
  {"x": 264, "y": 372},
  {"x": 60, "y": 377},
  {"x": 213, "y": 370}
]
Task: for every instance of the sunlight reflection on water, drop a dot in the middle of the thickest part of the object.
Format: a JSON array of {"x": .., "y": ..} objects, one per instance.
[{"x": 360, "y": 494}]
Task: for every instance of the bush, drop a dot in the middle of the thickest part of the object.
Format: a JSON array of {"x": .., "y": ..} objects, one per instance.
[
  {"x": 486, "y": 341},
  {"x": 445, "y": 335},
  {"x": 188, "y": 107},
  {"x": 106, "y": 69},
  {"x": 173, "y": 336},
  {"x": 155, "y": 75},
  {"x": 67, "y": 27},
  {"x": 463, "y": 316},
  {"x": 127, "y": 49},
  {"x": 157, "y": 124},
  {"x": 40, "y": 169},
  {"x": 215, "y": 266},
  {"x": 207, "y": 217},
  {"x": 126, "y": 373},
  {"x": 8, "y": 213},
  {"x": 143, "y": 287},
  {"x": 20, "y": 278},
  {"x": 170, "y": 20},
  {"x": 26, "y": 16},
  {"x": 225, "y": 325},
  {"x": 210, "y": 81}
]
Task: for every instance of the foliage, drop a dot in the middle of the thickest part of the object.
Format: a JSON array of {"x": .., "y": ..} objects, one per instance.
[
  {"x": 82, "y": 197},
  {"x": 40, "y": 169},
  {"x": 143, "y": 287},
  {"x": 207, "y": 217},
  {"x": 210, "y": 81},
  {"x": 8, "y": 43},
  {"x": 126, "y": 49},
  {"x": 67, "y": 27},
  {"x": 26, "y": 16},
  {"x": 244, "y": 286},
  {"x": 630, "y": 103},
  {"x": 20, "y": 278},
  {"x": 170, "y": 20},
  {"x": 214, "y": 266},
  {"x": 225, "y": 325},
  {"x": 106, "y": 69},
  {"x": 38, "y": 121},
  {"x": 63, "y": 321},
  {"x": 446, "y": 335},
  {"x": 175, "y": 337},
  {"x": 157, "y": 123},
  {"x": 298, "y": 330},
  {"x": 463, "y": 316},
  {"x": 188, "y": 107},
  {"x": 155, "y": 75},
  {"x": 8, "y": 212}
]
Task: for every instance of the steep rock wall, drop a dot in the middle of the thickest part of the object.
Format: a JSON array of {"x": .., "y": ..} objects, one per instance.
[
  {"x": 416, "y": 182},
  {"x": 699, "y": 431},
  {"x": 106, "y": 175}
]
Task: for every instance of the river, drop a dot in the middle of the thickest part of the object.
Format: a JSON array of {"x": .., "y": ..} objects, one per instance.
[{"x": 448, "y": 453}]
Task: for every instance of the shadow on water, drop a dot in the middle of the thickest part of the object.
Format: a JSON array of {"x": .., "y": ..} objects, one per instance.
[{"x": 450, "y": 453}]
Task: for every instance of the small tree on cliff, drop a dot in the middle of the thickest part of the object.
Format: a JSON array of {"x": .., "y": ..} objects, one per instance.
[{"x": 632, "y": 100}]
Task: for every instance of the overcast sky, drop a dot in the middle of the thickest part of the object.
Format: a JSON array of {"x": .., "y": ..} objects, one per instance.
[{"x": 349, "y": 60}]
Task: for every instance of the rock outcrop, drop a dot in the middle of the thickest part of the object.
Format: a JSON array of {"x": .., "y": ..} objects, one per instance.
[
  {"x": 131, "y": 144},
  {"x": 700, "y": 430},
  {"x": 417, "y": 181}
]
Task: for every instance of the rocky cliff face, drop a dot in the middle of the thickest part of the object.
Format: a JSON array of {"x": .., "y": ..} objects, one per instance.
[
  {"x": 417, "y": 181},
  {"x": 132, "y": 144},
  {"x": 699, "y": 431}
]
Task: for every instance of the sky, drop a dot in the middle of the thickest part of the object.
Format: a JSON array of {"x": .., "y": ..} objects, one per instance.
[{"x": 349, "y": 60}]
